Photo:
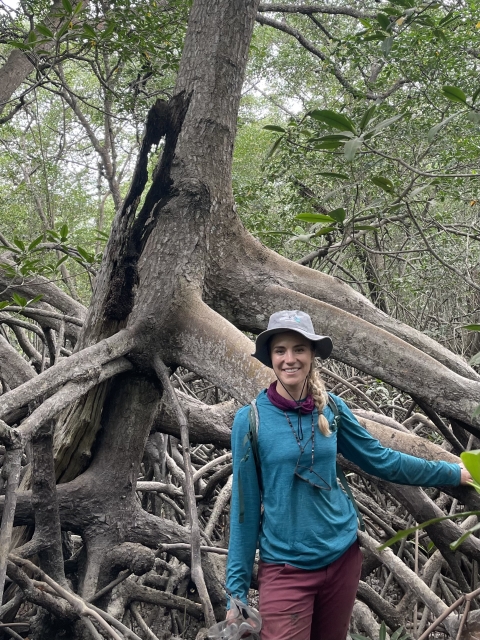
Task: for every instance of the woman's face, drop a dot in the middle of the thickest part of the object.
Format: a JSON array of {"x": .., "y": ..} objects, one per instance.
[{"x": 292, "y": 357}]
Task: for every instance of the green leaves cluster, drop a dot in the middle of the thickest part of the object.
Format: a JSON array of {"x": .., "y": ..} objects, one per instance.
[
  {"x": 353, "y": 137},
  {"x": 32, "y": 258},
  {"x": 382, "y": 634}
]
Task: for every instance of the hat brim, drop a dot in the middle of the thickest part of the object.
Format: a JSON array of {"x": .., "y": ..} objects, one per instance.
[{"x": 323, "y": 344}]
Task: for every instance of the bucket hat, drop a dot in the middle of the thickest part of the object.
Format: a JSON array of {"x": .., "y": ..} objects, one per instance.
[{"x": 287, "y": 320}]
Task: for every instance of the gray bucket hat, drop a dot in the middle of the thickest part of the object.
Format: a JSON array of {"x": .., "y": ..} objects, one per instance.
[{"x": 287, "y": 320}]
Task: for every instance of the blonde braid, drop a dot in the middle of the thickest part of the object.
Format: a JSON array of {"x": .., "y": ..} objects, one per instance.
[{"x": 316, "y": 388}]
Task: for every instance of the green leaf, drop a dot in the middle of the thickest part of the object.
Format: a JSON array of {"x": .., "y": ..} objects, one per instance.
[
  {"x": 448, "y": 19},
  {"x": 383, "y": 20},
  {"x": 35, "y": 243},
  {"x": 383, "y": 183},
  {"x": 471, "y": 460},
  {"x": 19, "y": 300},
  {"x": 366, "y": 23},
  {"x": 32, "y": 37},
  {"x": 471, "y": 327},
  {"x": 109, "y": 30},
  {"x": 35, "y": 299},
  {"x": 89, "y": 32},
  {"x": 419, "y": 190},
  {"x": 314, "y": 217},
  {"x": 4, "y": 304},
  {"x": 382, "y": 635},
  {"x": 67, "y": 6},
  {"x": 17, "y": 44},
  {"x": 364, "y": 227},
  {"x": 63, "y": 29},
  {"x": 333, "y": 119},
  {"x": 88, "y": 257},
  {"x": 274, "y": 127},
  {"x": 406, "y": 532},
  {"x": 435, "y": 129},
  {"x": 454, "y": 546},
  {"x": 333, "y": 137},
  {"x": 324, "y": 230},
  {"x": 45, "y": 31},
  {"x": 378, "y": 35},
  {"x": 61, "y": 261},
  {"x": 274, "y": 148},
  {"x": 383, "y": 124},
  {"x": 19, "y": 243},
  {"x": 338, "y": 214},
  {"x": 78, "y": 8},
  {"x": 454, "y": 94},
  {"x": 356, "y": 636},
  {"x": 396, "y": 634},
  {"x": 474, "y": 361},
  {"x": 367, "y": 116},
  {"x": 332, "y": 174},
  {"x": 63, "y": 233},
  {"x": 475, "y": 95},
  {"x": 351, "y": 147},
  {"x": 387, "y": 45},
  {"x": 440, "y": 34}
]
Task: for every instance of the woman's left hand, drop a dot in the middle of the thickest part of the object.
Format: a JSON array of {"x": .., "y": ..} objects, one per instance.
[{"x": 465, "y": 476}]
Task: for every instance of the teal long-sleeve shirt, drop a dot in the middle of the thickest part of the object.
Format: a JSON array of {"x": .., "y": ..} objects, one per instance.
[{"x": 301, "y": 525}]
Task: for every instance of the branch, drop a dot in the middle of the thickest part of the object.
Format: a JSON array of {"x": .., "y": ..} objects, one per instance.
[
  {"x": 418, "y": 171},
  {"x": 407, "y": 578},
  {"x": 11, "y": 468},
  {"x": 212, "y": 347},
  {"x": 209, "y": 424},
  {"x": 373, "y": 350},
  {"x": 311, "y": 9},
  {"x": 190, "y": 503},
  {"x": 78, "y": 605},
  {"x": 69, "y": 393},
  {"x": 333, "y": 68},
  {"x": 36, "y": 285},
  {"x": 249, "y": 267},
  {"x": 80, "y": 365},
  {"x": 39, "y": 314},
  {"x": 14, "y": 369}
]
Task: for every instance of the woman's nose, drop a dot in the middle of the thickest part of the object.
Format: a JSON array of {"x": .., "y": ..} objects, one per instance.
[{"x": 289, "y": 356}]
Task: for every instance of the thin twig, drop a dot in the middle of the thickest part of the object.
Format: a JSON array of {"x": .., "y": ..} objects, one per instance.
[
  {"x": 123, "y": 575},
  {"x": 79, "y": 605},
  {"x": 141, "y": 622},
  {"x": 12, "y": 633},
  {"x": 190, "y": 502}
]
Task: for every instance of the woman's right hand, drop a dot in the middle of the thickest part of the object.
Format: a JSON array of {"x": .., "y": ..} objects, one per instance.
[{"x": 230, "y": 615}]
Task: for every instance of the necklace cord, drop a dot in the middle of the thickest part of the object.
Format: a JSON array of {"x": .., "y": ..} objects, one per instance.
[{"x": 299, "y": 405}]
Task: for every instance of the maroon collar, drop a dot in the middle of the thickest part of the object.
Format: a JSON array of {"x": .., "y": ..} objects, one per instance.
[{"x": 306, "y": 405}]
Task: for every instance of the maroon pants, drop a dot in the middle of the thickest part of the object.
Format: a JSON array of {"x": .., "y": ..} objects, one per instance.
[{"x": 296, "y": 604}]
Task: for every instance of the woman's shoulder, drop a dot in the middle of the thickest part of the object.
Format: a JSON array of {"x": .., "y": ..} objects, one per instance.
[{"x": 242, "y": 415}]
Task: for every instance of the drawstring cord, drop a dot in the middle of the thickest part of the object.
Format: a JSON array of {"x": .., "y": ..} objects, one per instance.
[{"x": 298, "y": 403}]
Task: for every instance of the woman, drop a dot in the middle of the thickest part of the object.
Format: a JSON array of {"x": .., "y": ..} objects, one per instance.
[{"x": 305, "y": 525}]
